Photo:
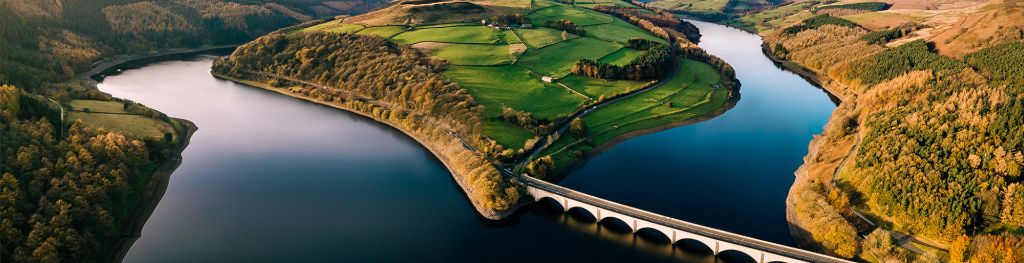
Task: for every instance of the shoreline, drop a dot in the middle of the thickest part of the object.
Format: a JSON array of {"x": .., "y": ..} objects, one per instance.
[
  {"x": 802, "y": 237},
  {"x": 154, "y": 192},
  {"x": 112, "y": 64},
  {"x": 456, "y": 176}
]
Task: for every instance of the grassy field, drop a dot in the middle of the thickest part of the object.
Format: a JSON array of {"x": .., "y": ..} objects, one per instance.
[
  {"x": 691, "y": 5},
  {"x": 621, "y": 57},
  {"x": 594, "y": 3},
  {"x": 474, "y": 54},
  {"x": 491, "y": 86},
  {"x": 131, "y": 125},
  {"x": 692, "y": 92},
  {"x": 557, "y": 60},
  {"x": 595, "y": 88},
  {"x": 619, "y": 31},
  {"x": 97, "y": 106},
  {"x": 579, "y": 16},
  {"x": 459, "y": 34},
  {"x": 381, "y": 31},
  {"x": 335, "y": 26},
  {"x": 508, "y": 135},
  {"x": 541, "y": 37},
  {"x": 778, "y": 17}
]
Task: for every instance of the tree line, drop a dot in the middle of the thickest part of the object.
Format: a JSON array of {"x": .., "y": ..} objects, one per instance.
[
  {"x": 659, "y": 18},
  {"x": 566, "y": 25},
  {"x": 654, "y": 63}
]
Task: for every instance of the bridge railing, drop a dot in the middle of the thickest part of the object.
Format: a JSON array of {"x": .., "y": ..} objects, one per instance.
[{"x": 679, "y": 224}]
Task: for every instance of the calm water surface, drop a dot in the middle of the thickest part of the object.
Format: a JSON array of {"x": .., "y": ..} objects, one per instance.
[{"x": 269, "y": 178}]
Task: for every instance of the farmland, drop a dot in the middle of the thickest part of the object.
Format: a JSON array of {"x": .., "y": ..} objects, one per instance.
[{"x": 528, "y": 70}]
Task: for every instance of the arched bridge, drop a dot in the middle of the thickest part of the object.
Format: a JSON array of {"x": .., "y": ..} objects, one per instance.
[{"x": 717, "y": 240}]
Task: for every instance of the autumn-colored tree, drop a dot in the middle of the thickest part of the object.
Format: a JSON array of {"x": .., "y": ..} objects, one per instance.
[
  {"x": 1013, "y": 205},
  {"x": 578, "y": 128}
]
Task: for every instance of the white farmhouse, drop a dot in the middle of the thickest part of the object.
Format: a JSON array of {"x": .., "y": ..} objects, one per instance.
[{"x": 547, "y": 79}]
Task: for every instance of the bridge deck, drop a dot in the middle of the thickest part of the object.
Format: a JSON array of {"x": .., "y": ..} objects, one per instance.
[{"x": 677, "y": 224}]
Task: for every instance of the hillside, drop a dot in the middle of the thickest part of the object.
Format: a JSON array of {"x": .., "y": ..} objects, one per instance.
[
  {"x": 921, "y": 161},
  {"x": 538, "y": 87},
  {"x": 47, "y": 41}
]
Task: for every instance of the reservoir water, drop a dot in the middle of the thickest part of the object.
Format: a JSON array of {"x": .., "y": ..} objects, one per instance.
[{"x": 268, "y": 178}]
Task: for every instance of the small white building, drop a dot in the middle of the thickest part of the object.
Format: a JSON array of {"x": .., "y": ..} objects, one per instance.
[{"x": 547, "y": 79}]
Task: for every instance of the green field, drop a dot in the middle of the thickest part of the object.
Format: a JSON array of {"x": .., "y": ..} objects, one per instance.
[
  {"x": 541, "y": 37},
  {"x": 557, "y": 60},
  {"x": 381, "y": 31},
  {"x": 579, "y": 16},
  {"x": 474, "y": 54},
  {"x": 620, "y": 31},
  {"x": 514, "y": 87},
  {"x": 97, "y": 106},
  {"x": 693, "y": 92},
  {"x": 621, "y": 57},
  {"x": 508, "y": 135},
  {"x": 132, "y": 125},
  {"x": 595, "y": 88},
  {"x": 459, "y": 34},
  {"x": 692, "y": 5}
]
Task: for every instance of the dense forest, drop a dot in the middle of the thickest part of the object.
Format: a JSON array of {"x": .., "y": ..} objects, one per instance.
[
  {"x": 415, "y": 97},
  {"x": 882, "y": 37},
  {"x": 65, "y": 192},
  {"x": 939, "y": 149}
]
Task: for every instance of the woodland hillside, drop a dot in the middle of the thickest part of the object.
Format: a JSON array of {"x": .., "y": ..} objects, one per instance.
[
  {"x": 52, "y": 40},
  {"x": 925, "y": 143}
]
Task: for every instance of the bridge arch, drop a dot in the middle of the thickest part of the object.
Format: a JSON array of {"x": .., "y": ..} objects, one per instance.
[
  {"x": 551, "y": 201},
  {"x": 654, "y": 234},
  {"x": 616, "y": 223},
  {"x": 695, "y": 246},
  {"x": 581, "y": 213},
  {"x": 737, "y": 256}
]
